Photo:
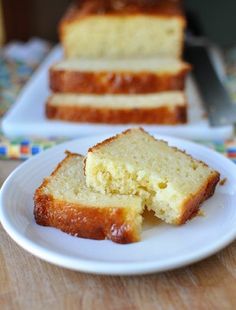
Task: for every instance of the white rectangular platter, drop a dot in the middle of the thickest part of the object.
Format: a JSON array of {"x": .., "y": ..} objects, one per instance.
[{"x": 26, "y": 117}]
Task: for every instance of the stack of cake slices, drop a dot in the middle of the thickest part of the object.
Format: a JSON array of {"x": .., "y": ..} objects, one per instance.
[{"x": 122, "y": 64}]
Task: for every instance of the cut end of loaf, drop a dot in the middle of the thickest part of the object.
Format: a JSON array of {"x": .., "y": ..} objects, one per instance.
[{"x": 105, "y": 33}]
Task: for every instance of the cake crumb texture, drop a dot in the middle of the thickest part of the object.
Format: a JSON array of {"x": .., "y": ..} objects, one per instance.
[{"x": 172, "y": 183}]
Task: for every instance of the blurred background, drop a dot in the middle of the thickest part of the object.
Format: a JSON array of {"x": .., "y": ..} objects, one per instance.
[
  {"x": 23, "y": 19},
  {"x": 29, "y": 29}
]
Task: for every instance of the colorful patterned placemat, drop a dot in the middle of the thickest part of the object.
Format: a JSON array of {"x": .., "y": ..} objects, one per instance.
[
  {"x": 13, "y": 76},
  {"x": 23, "y": 148},
  {"x": 15, "y": 73}
]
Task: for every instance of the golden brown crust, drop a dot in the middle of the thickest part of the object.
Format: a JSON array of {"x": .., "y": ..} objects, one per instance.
[
  {"x": 192, "y": 204},
  {"x": 160, "y": 115},
  {"x": 69, "y": 81},
  {"x": 85, "y": 8},
  {"x": 100, "y": 223},
  {"x": 83, "y": 221},
  {"x": 111, "y": 139}
]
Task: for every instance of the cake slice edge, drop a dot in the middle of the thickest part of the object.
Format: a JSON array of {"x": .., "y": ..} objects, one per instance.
[{"x": 70, "y": 107}]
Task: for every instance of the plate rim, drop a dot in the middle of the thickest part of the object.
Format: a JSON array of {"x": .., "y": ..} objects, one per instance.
[{"x": 95, "y": 266}]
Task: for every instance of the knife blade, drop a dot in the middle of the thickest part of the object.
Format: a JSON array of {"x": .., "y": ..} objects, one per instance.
[{"x": 218, "y": 104}]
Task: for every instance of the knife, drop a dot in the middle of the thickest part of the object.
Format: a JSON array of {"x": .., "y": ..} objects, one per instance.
[{"x": 219, "y": 106}]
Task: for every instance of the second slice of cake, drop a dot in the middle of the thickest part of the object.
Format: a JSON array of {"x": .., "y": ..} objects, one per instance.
[
  {"x": 118, "y": 76},
  {"x": 63, "y": 201},
  {"x": 171, "y": 182}
]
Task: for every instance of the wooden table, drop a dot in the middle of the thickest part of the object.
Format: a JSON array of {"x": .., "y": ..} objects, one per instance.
[{"x": 27, "y": 282}]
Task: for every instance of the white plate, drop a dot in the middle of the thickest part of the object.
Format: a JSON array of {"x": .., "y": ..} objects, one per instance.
[
  {"x": 162, "y": 247},
  {"x": 26, "y": 118}
]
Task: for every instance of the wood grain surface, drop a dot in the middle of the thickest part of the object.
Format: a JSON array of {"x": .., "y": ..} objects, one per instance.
[{"x": 27, "y": 282}]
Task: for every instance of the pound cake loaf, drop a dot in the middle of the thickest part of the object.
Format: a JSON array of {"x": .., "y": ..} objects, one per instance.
[
  {"x": 63, "y": 201},
  {"x": 118, "y": 76},
  {"x": 123, "y": 28},
  {"x": 160, "y": 108},
  {"x": 171, "y": 182}
]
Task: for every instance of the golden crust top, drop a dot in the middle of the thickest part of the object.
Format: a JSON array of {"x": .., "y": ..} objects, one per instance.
[
  {"x": 83, "y": 8},
  {"x": 111, "y": 139}
]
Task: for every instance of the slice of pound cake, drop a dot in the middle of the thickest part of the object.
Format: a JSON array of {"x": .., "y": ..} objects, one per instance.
[
  {"x": 159, "y": 108},
  {"x": 118, "y": 76},
  {"x": 171, "y": 182},
  {"x": 63, "y": 201}
]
